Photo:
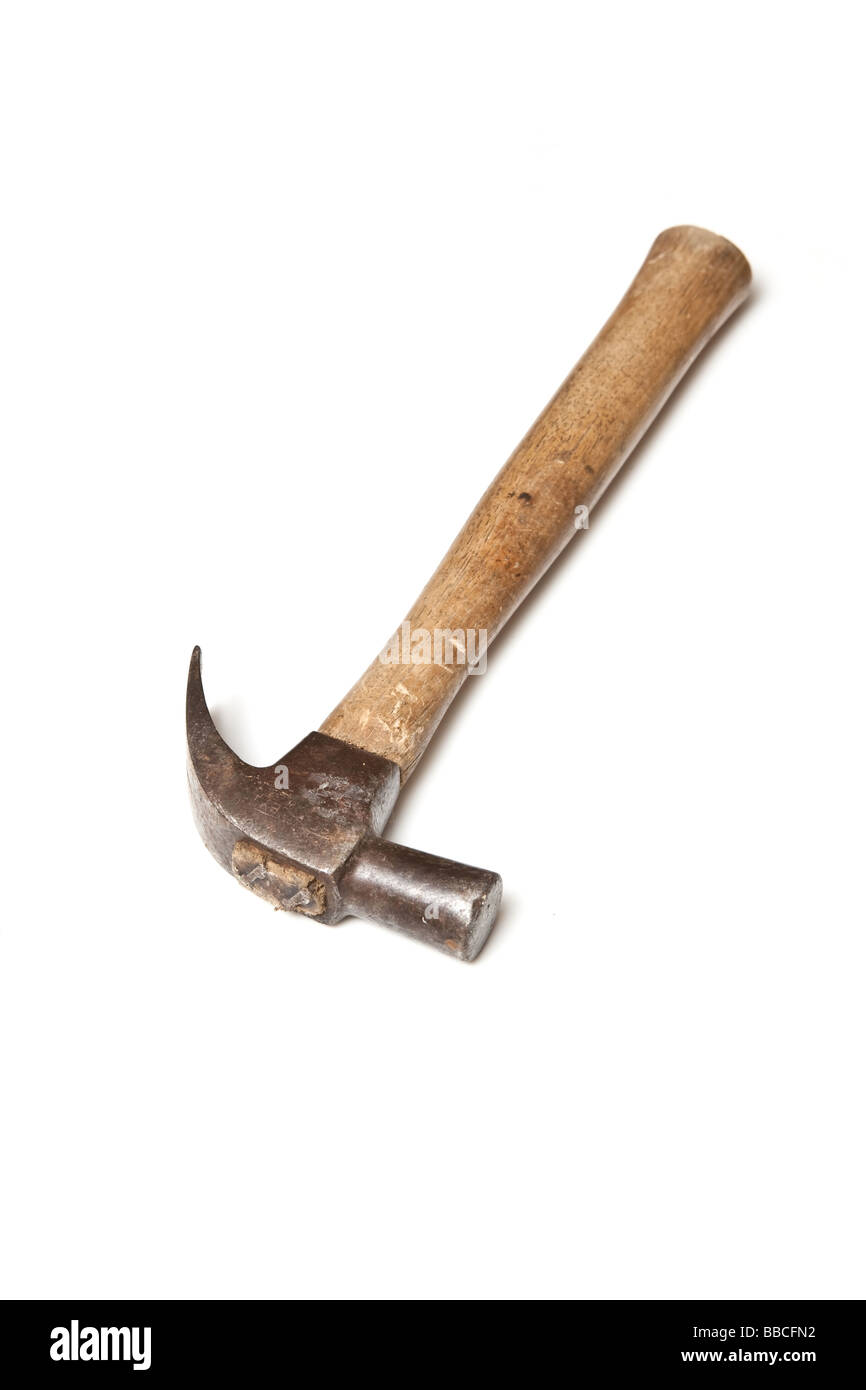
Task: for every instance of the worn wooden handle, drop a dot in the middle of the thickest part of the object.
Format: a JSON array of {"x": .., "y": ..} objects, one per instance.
[{"x": 690, "y": 282}]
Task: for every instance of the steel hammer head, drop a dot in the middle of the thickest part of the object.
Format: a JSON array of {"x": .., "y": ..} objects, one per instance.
[{"x": 305, "y": 835}]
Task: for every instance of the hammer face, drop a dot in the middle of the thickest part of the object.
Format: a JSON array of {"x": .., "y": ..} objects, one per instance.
[{"x": 445, "y": 904}]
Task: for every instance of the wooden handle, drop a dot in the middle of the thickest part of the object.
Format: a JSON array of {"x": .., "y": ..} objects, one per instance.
[{"x": 690, "y": 282}]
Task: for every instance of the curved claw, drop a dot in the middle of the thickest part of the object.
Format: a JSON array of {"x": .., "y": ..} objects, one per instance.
[
  {"x": 202, "y": 734},
  {"x": 230, "y": 797}
]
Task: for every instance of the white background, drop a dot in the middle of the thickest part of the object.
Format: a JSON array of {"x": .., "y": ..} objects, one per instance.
[{"x": 283, "y": 285}]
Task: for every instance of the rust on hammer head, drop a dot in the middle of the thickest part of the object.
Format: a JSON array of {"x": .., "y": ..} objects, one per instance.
[{"x": 305, "y": 835}]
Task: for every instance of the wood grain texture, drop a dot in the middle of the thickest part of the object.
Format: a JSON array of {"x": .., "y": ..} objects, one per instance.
[{"x": 690, "y": 282}]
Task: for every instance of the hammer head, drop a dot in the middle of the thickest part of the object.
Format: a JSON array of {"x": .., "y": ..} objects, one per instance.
[{"x": 305, "y": 835}]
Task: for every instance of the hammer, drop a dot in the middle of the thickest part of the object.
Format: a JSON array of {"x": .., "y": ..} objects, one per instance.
[{"x": 306, "y": 833}]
